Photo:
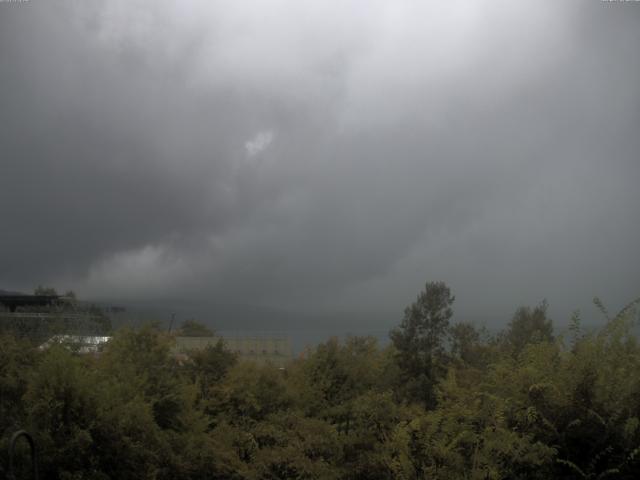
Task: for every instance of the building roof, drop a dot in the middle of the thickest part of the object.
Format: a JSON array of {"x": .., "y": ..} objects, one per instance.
[
  {"x": 11, "y": 300},
  {"x": 77, "y": 343}
]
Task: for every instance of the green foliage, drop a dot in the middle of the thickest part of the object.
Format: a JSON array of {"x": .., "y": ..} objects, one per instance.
[
  {"x": 472, "y": 346},
  {"x": 528, "y": 325},
  {"x": 524, "y": 406},
  {"x": 419, "y": 342},
  {"x": 206, "y": 368},
  {"x": 17, "y": 360},
  {"x": 252, "y": 392},
  {"x": 192, "y": 328}
]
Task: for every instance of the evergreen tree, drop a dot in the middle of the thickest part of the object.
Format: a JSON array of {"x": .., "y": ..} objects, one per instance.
[{"x": 419, "y": 341}]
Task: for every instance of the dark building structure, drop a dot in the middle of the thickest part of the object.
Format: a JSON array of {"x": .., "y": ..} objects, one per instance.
[{"x": 12, "y": 300}]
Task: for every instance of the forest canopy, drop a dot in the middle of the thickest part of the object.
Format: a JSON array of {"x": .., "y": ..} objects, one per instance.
[{"x": 442, "y": 400}]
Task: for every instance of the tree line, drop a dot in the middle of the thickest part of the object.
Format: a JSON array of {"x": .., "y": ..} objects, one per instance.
[{"x": 441, "y": 401}]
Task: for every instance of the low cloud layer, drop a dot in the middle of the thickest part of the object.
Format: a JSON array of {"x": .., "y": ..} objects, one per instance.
[{"x": 330, "y": 156}]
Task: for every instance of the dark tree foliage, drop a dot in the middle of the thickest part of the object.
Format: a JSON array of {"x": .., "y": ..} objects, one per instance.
[
  {"x": 528, "y": 325},
  {"x": 466, "y": 343},
  {"x": 193, "y": 328},
  {"x": 419, "y": 341},
  {"x": 140, "y": 410}
]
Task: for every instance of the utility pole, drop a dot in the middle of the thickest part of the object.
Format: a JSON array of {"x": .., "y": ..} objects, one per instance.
[{"x": 173, "y": 317}]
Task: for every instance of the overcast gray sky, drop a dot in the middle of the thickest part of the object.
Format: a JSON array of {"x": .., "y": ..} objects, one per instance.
[{"x": 330, "y": 156}]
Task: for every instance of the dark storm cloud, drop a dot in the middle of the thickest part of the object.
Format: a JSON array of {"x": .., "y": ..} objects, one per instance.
[{"x": 333, "y": 155}]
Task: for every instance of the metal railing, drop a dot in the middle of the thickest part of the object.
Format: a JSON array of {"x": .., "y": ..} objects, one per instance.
[{"x": 12, "y": 451}]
